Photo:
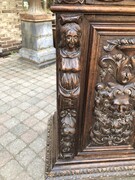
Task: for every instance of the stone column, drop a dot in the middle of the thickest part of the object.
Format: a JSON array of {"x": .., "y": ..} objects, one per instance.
[{"x": 37, "y": 36}]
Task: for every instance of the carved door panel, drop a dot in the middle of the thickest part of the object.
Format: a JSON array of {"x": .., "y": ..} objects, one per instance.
[{"x": 110, "y": 107}]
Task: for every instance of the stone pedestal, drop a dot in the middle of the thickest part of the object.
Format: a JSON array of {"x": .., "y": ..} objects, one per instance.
[
  {"x": 37, "y": 35},
  {"x": 37, "y": 43}
]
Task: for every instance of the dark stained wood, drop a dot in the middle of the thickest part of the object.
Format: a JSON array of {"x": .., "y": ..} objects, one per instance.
[
  {"x": 94, "y": 128},
  {"x": 95, "y": 9}
]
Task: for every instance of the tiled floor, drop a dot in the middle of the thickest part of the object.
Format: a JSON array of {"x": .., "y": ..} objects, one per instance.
[{"x": 27, "y": 98}]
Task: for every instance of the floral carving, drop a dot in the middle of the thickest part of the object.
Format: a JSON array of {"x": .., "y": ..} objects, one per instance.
[
  {"x": 118, "y": 68},
  {"x": 68, "y": 128},
  {"x": 70, "y": 1},
  {"x": 115, "y": 94},
  {"x": 69, "y": 83},
  {"x": 114, "y": 115}
]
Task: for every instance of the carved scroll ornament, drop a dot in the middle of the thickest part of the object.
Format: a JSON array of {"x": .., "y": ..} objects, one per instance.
[
  {"x": 115, "y": 96},
  {"x": 69, "y": 84},
  {"x": 125, "y": 44}
]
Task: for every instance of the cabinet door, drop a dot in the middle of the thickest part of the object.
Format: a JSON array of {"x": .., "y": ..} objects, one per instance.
[{"x": 110, "y": 102}]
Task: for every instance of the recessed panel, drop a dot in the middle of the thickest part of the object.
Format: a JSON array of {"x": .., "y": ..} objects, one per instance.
[{"x": 112, "y": 98}]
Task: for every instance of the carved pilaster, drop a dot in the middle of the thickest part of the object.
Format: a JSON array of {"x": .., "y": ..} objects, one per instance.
[
  {"x": 68, "y": 83},
  {"x": 115, "y": 96}
]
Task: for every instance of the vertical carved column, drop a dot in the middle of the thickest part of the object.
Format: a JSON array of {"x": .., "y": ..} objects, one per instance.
[{"x": 68, "y": 83}]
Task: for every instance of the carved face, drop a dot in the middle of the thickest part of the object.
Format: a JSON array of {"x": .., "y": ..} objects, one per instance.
[
  {"x": 71, "y": 39},
  {"x": 122, "y": 103}
]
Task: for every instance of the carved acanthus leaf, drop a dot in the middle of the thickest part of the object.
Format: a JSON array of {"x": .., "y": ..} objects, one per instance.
[{"x": 118, "y": 67}]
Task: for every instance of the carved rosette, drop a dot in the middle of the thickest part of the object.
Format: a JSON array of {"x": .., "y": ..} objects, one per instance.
[
  {"x": 114, "y": 112},
  {"x": 68, "y": 83}
]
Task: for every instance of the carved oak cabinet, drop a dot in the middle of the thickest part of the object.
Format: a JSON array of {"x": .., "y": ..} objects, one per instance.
[{"x": 93, "y": 133}]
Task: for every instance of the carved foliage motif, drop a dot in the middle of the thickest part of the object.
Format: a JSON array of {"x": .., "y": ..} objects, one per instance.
[
  {"x": 68, "y": 123},
  {"x": 69, "y": 83},
  {"x": 120, "y": 44},
  {"x": 70, "y": 1},
  {"x": 115, "y": 94}
]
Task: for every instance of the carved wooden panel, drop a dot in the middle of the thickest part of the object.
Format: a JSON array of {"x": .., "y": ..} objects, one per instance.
[
  {"x": 69, "y": 83},
  {"x": 114, "y": 99},
  {"x": 112, "y": 115}
]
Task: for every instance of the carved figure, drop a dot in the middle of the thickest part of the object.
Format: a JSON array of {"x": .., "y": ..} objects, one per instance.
[
  {"x": 69, "y": 84},
  {"x": 70, "y": 57}
]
